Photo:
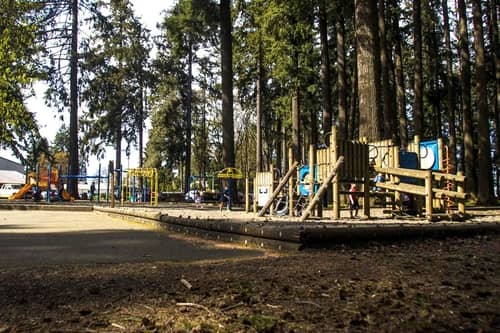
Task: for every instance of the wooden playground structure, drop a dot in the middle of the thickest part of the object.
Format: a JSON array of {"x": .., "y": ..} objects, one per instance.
[{"x": 435, "y": 192}]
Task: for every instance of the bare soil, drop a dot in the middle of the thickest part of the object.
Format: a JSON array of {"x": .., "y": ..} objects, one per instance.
[{"x": 448, "y": 285}]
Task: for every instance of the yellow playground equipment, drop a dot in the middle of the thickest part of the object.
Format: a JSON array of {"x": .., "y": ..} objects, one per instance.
[{"x": 140, "y": 185}]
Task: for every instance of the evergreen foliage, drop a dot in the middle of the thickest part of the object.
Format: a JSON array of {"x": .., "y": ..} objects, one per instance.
[
  {"x": 378, "y": 69},
  {"x": 21, "y": 28},
  {"x": 115, "y": 60}
]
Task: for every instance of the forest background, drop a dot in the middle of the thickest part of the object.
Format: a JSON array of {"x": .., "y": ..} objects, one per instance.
[{"x": 238, "y": 83}]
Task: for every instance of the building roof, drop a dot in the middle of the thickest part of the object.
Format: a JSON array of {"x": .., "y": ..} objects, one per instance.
[{"x": 9, "y": 165}]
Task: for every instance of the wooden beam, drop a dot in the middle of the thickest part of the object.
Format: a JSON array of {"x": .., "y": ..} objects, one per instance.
[
  {"x": 321, "y": 190},
  {"x": 403, "y": 187},
  {"x": 448, "y": 176},
  {"x": 452, "y": 194},
  {"x": 420, "y": 174}
]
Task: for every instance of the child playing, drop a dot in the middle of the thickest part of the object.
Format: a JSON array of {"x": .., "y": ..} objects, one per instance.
[
  {"x": 353, "y": 200},
  {"x": 197, "y": 199}
]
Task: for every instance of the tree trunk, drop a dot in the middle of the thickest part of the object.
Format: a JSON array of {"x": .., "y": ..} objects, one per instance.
[
  {"x": 434, "y": 80},
  {"x": 297, "y": 153},
  {"x": 418, "y": 112},
  {"x": 353, "y": 105},
  {"x": 189, "y": 101},
  {"x": 259, "y": 84},
  {"x": 142, "y": 110},
  {"x": 325, "y": 71},
  {"x": 227, "y": 83},
  {"x": 465, "y": 80},
  {"x": 341, "y": 78},
  {"x": 73, "y": 117},
  {"x": 450, "y": 94},
  {"x": 367, "y": 55},
  {"x": 118, "y": 156},
  {"x": 279, "y": 146},
  {"x": 399, "y": 80},
  {"x": 485, "y": 181},
  {"x": 495, "y": 46},
  {"x": 388, "y": 115}
]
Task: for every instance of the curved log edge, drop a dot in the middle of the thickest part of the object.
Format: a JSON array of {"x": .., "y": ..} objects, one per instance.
[{"x": 286, "y": 235}]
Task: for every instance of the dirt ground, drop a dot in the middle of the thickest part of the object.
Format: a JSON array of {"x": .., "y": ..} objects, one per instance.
[{"x": 448, "y": 285}]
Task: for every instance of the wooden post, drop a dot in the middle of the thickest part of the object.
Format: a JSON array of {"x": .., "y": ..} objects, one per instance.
[
  {"x": 366, "y": 188},
  {"x": 336, "y": 182},
  {"x": 321, "y": 190},
  {"x": 255, "y": 192},
  {"x": 112, "y": 181},
  {"x": 247, "y": 196},
  {"x": 311, "y": 175},
  {"x": 440, "y": 154},
  {"x": 460, "y": 189},
  {"x": 278, "y": 189},
  {"x": 291, "y": 183},
  {"x": 397, "y": 194},
  {"x": 428, "y": 195},
  {"x": 271, "y": 207}
]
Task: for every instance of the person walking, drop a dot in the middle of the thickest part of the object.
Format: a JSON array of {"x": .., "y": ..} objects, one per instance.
[
  {"x": 225, "y": 197},
  {"x": 92, "y": 191}
]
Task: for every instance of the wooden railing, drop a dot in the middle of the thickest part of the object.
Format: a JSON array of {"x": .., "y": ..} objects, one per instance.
[{"x": 428, "y": 191}]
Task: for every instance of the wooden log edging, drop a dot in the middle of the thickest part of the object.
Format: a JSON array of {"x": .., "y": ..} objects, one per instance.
[
  {"x": 293, "y": 235},
  {"x": 276, "y": 231},
  {"x": 348, "y": 233}
]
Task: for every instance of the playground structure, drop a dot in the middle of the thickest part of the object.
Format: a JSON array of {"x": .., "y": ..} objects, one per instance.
[
  {"x": 436, "y": 189},
  {"x": 51, "y": 179},
  {"x": 140, "y": 185},
  {"x": 46, "y": 179}
]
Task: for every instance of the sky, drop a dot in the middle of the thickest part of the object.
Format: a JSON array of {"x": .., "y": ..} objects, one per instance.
[{"x": 150, "y": 13}]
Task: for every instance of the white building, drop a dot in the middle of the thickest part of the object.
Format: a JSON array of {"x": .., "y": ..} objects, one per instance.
[{"x": 11, "y": 172}]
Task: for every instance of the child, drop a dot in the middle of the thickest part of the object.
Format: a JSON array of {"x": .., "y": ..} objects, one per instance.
[
  {"x": 197, "y": 199},
  {"x": 353, "y": 200}
]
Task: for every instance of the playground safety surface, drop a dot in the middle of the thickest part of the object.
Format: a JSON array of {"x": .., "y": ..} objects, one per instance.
[{"x": 450, "y": 284}]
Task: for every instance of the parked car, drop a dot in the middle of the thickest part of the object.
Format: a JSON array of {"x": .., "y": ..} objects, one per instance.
[
  {"x": 189, "y": 196},
  {"x": 6, "y": 190}
]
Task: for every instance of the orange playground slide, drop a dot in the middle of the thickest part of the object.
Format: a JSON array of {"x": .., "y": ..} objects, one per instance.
[
  {"x": 20, "y": 194},
  {"x": 67, "y": 196}
]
